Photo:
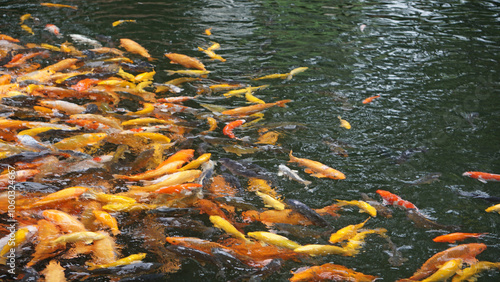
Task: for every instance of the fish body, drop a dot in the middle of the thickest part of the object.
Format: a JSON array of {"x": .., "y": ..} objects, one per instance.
[
  {"x": 185, "y": 61},
  {"x": 444, "y": 272},
  {"x": 82, "y": 39},
  {"x": 54, "y": 5},
  {"x": 202, "y": 73},
  {"x": 115, "y": 23},
  {"x": 83, "y": 236},
  {"x": 426, "y": 179},
  {"x": 370, "y": 99},
  {"x": 493, "y": 208},
  {"x": 307, "y": 212},
  {"x": 469, "y": 273},
  {"x": 329, "y": 272},
  {"x": 296, "y": 71},
  {"x": 134, "y": 47},
  {"x": 393, "y": 199},
  {"x": 272, "y": 76},
  {"x": 124, "y": 261},
  {"x": 291, "y": 174},
  {"x": 59, "y": 196},
  {"x": 364, "y": 206},
  {"x": 355, "y": 243},
  {"x": 53, "y": 29},
  {"x": 211, "y": 54},
  {"x": 318, "y": 250},
  {"x": 245, "y": 170},
  {"x": 249, "y": 110},
  {"x": 225, "y": 225},
  {"x": 228, "y": 129},
  {"x": 421, "y": 221},
  {"x": 457, "y": 236},
  {"x": 484, "y": 177},
  {"x": 318, "y": 169},
  {"x": 274, "y": 239},
  {"x": 346, "y": 232},
  {"x": 381, "y": 209},
  {"x": 270, "y": 201},
  {"x": 344, "y": 123},
  {"x": 107, "y": 220}
]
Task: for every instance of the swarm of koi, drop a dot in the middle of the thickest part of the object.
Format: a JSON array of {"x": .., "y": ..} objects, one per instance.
[{"x": 89, "y": 144}]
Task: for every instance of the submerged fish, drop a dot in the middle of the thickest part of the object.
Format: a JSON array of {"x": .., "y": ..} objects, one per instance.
[
  {"x": 291, "y": 174},
  {"x": 484, "y": 177},
  {"x": 82, "y": 39},
  {"x": 307, "y": 212},
  {"x": 426, "y": 179},
  {"x": 423, "y": 222}
]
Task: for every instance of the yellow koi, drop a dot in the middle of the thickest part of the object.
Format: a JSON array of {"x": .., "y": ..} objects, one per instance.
[
  {"x": 147, "y": 109},
  {"x": 50, "y": 47},
  {"x": 114, "y": 199},
  {"x": 239, "y": 92},
  {"x": 171, "y": 179},
  {"x": 346, "y": 232},
  {"x": 495, "y": 208},
  {"x": 364, "y": 206},
  {"x": 196, "y": 163},
  {"x": 24, "y": 17},
  {"x": 124, "y": 261},
  {"x": 121, "y": 207},
  {"x": 27, "y": 29},
  {"x": 59, "y": 6},
  {"x": 36, "y": 130},
  {"x": 344, "y": 123},
  {"x": 142, "y": 121},
  {"x": 19, "y": 237},
  {"x": 115, "y": 23},
  {"x": 84, "y": 236},
  {"x": 469, "y": 273},
  {"x": 213, "y": 125},
  {"x": 225, "y": 225},
  {"x": 274, "y": 239},
  {"x": 270, "y": 201},
  {"x": 125, "y": 75},
  {"x": 145, "y": 76},
  {"x": 79, "y": 141},
  {"x": 315, "y": 250},
  {"x": 158, "y": 137},
  {"x": 59, "y": 196},
  {"x": 211, "y": 54},
  {"x": 295, "y": 71},
  {"x": 272, "y": 76},
  {"x": 447, "y": 270},
  {"x": 252, "y": 99},
  {"x": 107, "y": 220},
  {"x": 356, "y": 242},
  {"x": 201, "y": 73}
]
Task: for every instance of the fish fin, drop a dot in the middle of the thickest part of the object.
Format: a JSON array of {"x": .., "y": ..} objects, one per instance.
[
  {"x": 307, "y": 183},
  {"x": 319, "y": 175},
  {"x": 482, "y": 180}
]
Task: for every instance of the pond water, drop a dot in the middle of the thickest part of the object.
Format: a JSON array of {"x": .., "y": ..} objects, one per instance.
[{"x": 435, "y": 65}]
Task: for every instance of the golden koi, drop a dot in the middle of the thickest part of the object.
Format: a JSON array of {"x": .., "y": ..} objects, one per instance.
[
  {"x": 248, "y": 110},
  {"x": 344, "y": 123},
  {"x": 144, "y": 76},
  {"x": 270, "y": 201},
  {"x": 142, "y": 121},
  {"x": 202, "y": 73},
  {"x": 315, "y": 250},
  {"x": 115, "y": 23},
  {"x": 59, "y": 196},
  {"x": 171, "y": 179},
  {"x": 107, "y": 220},
  {"x": 135, "y": 48},
  {"x": 295, "y": 71},
  {"x": 113, "y": 199},
  {"x": 122, "y": 207},
  {"x": 27, "y": 29},
  {"x": 272, "y": 76},
  {"x": 23, "y": 18},
  {"x": 208, "y": 31},
  {"x": 239, "y": 92},
  {"x": 66, "y": 222},
  {"x": 225, "y": 225},
  {"x": 495, "y": 208},
  {"x": 19, "y": 237},
  {"x": 197, "y": 163},
  {"x": 185, "y": 61},
  {"x": 318, "y": 169},
  {"x": 124, "y": 261},
  {"x": 211, "y": 54},
  {"x": 147, "y": 109},
  {"x": 79, "y": 141},
  {"x": 252, "y": 99},
  {"x": 364, "y": 206},
  {"x": 346, "y": 232},
  {"x": 158, "y": 137},
  {"x": 84, "y": 236},
  {"x": 356, "y": 242},
  {"x": 469, "y": 273},
  {"x": 274, "y": 239},
  {"x": 54, "y": 272},
  {"x": 59, "y": 6},
  {"x": 447, "y": 270}
]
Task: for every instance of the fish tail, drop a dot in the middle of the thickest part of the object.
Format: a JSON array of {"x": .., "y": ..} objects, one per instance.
[
  {"x": 282, "y": 103},
  {"x": 292, "y": 158}
]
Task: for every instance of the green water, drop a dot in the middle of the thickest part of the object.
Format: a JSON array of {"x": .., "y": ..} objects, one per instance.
[{"x": 434, "y": 63}]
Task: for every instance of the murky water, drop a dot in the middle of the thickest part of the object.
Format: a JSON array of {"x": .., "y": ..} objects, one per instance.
[{"x": 435, "y": 65}]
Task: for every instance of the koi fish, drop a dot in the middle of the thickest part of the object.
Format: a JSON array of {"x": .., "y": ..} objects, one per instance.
[
  {"x": 228, "y": 129},
  {"x": 186, "y": 61},
  {"x": 458, "y": 236},
  {"x": 59, "y": 196},
  {"x": 239, "y": 92},
  {"x": 364, "y": 206},
  {"x": 178, "y": 188},
  {"x": 208, "y": 31},
  {"x": 466, "y": 252},
  {"x": 211, "y": 54},
  {"x": 79, "y": 141},
  {"x": 269, "y": 201},
  {"x": 58, "y": 6},
  {"x": 134, "y": 47},
  {"x": 115, "y": 23},
  {"x": 447, "y": 270},
  {"x": 272, "y": 76},
  {"x": 66, "y": 222},
  {"x": 274, "y": 239},
  {"x": 27, "y": 29},
  {"x": 344, "y": 123},
  {"x": 248, "y": 110},
  {"x": 53, "y": 29},
  {"x": 393, "y": 199},
  {"x": 482, "y": 176},
  {"x": 78, "y": 38},
  {"x": 8, "y": 38},
  {"x": 124, "y": 261},
  {"x": 202, "y": 73},
  {"x": 296, "y": 71},
  {"x": 357, "y": 241},
  {"x": 84, "y": 236},
  {"x": 54, "y": 271},
  {"x": 469, "y": 273},
  {"x": 493, "y": 208},
  {"x": 318, "y": 250},
  {"x": 22, "y": 19},
  {"x": 381, "y": 209},
  {"x": 107, "y": 220},
  {"x": 422, "y": 222},
  {"x": 307, "y": 212},
  {"x": 316, "y": 168},
  {"x": 329, "y": 271},
  {"x": 225, "y": 225},
  {"x": 346, "y": 232},
  {"x": 370, "y": 99}
]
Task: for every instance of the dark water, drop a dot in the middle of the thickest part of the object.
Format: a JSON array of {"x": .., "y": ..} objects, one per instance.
[{"x": 435, "y": 65}]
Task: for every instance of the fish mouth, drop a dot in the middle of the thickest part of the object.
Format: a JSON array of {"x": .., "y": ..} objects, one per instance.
[{"x": 466, "y": 174}]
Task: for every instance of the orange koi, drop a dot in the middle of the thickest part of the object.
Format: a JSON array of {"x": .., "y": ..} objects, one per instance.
[
  {"x": 466, "y": 252},
  {"x": 60, "y": 196},
  {"x": 134, "y": 47},
  {"x": 228, "y": 129},
  {"x": 186, "y": 61},
  {"x": 180, "y": 188},
  {"x": 208, "y": 31},
  {"x": 370, "y": 99},
  {"x": 52, "y": 29},
  {"x": 175, "y": 99},
  {"x": 8, "y": 38},
  {"x": 89, "y": 124},
  {"x": 85, "y": 84},
  {"x": 107, "y": 220},
  {"x": 59, "y": 6},
  {"x": 393, "y": 199},
  {"x": 66, "y": 222},
  {"x": 318, "y": 169},
  {"x": 54, "y": 271},
  {"x": 458, "y": 236},
  {"x": 248, "y": 110},
  {"x": 17, "y": 61},
  {"x": 482, "y": 176},
  {"x": 20, "y": 176},
  {"x": 47, "y": 231},
  {"x": 330, "y": 272},
  {"x": 61, "y": 65}
]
